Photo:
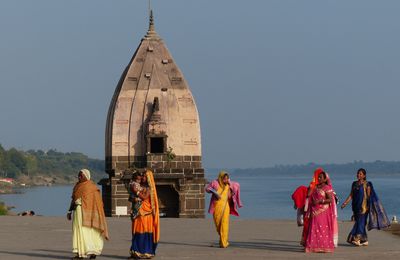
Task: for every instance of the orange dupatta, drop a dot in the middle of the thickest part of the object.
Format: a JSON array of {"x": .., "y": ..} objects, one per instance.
[{"x": 154, "y": 206}]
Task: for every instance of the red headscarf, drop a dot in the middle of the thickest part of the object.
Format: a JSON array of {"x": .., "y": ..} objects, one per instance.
[{"x": 314, "y": 181}]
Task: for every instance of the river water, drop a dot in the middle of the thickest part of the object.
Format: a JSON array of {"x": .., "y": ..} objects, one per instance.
[{"x": 264, "y": 196}]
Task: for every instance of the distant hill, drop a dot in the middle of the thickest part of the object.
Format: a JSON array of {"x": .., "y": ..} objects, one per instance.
[
  {"x": 376, "y": 167},
  {"x": 47, "y": 166},
  {"x": 41, "y": 167}
]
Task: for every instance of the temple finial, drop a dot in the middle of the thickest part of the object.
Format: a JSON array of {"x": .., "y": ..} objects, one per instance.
[
  {"x": 151, "y": 33},
  {"x": 151, "y": 21}
]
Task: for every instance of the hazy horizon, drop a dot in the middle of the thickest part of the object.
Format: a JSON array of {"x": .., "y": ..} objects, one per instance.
[{"x": 275, "y": 82}]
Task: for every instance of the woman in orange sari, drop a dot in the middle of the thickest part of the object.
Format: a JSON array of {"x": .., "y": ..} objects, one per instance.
[
  {"x": 146, "y": 225},
  {"x": 89, "y": 226}
]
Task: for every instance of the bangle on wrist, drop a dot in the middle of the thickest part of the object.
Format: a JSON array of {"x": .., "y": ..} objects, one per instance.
[{"x": 137, "y": 193}]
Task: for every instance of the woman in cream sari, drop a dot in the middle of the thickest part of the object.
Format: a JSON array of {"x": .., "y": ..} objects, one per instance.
[
  {"x": 89, "y": 225},
  {"x": 146, "y": 225},
  {"x": 224, "y": 201}
]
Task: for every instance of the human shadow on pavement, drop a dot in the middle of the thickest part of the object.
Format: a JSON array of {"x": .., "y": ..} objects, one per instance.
[
  {"x": 274, "y": 245},
  {"x": 114, "y": 256},
  {"x": 69, "y": 252},
  {"x": 283, "y": 241},
  {"x": 182, "y": 244},
  {"x": 346, "y": 245},
  {"x": 54, "y": 251},
  {"x": 35, "y": 255},
  {"x": 271, "y": 245}
]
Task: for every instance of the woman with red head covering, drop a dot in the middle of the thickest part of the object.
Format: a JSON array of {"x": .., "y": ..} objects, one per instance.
[
  {"x": 300, "y": 198},
  {"x": 304, "y": 202},
  {"x": 321, "y": 235}
]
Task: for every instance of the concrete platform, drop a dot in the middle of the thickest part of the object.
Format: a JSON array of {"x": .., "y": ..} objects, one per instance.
[{"x": 50, "y": 238}]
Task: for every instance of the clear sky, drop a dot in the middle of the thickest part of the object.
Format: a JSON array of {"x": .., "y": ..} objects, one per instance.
[{"x": 276, "y": 82}]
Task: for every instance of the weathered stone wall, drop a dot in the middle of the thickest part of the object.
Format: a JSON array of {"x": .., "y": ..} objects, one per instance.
[
  {"x": 179, "y": 164},
  {"x": 120, "y": 163},
  {"x": 180, "y": 184},
  {"x": 158, "y": 162},
  {"x": 115, "y": 194},
  {"x": 192, "y": 199}
]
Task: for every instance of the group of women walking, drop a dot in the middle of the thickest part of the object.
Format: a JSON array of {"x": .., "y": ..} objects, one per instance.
[
  {"x": 89, "y": 225},
  {"x": 317, "y": 204}
]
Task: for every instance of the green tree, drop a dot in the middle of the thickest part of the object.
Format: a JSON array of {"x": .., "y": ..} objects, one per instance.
[
  {"x": 14, "y": 163},
  {"x": 2, "y": 161},
  {"x": 17, "y": 161},
  {"x": 31, "y": 164}
]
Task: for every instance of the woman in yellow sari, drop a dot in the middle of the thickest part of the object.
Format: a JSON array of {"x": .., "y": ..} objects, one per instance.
[
  {"x": 89, "y": 226},
  {"x": 224, "y": 199},
  {"x": 146, "y": 225}
]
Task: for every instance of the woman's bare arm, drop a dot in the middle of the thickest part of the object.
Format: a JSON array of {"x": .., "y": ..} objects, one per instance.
[{"x": 346, "y": 201}]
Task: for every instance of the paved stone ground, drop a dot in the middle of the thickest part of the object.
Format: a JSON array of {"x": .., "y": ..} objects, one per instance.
[{"x": 50, "y": 238}]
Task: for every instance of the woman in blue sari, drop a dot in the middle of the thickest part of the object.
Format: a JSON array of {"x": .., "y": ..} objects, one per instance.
[{"x": 365, "y": 204}]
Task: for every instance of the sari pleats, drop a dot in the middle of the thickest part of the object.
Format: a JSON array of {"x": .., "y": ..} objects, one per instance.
[
  {"x": 320, "y": 235},
  {"x": 146, "y": 226},
  {"x": 358, "y": 232},
  {"x": 143, "y": 245},
  {"x": 85, "y": 240},
  {"x": 221, "y": 216},
  {"x": 367, "y": 212}
]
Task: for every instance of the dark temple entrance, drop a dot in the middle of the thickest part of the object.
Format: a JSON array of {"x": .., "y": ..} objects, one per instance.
[
  {"x": 157, "y": 145},
  {"x": 168, "y": 199}
]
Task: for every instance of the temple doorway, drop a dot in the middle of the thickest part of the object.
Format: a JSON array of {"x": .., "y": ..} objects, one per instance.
[{"x": 168, "y": 200}]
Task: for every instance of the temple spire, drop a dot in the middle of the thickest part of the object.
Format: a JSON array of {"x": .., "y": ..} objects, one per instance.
[
  {"x": 151, "y": 33},
  {"x": 151, "y": 18},
  {"x": 151, "y": 21}
]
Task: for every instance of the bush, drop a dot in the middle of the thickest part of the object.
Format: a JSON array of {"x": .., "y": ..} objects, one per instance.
[{"x": 3, "y": 209}]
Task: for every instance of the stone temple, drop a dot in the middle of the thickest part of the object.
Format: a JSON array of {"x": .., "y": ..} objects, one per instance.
[{"x": 153, "y": 123}]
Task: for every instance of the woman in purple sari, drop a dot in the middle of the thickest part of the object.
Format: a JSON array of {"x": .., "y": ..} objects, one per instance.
[{"x": 365, "y": 204}]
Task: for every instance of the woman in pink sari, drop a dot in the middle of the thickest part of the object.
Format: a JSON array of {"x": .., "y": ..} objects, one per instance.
[{"x": 322, "y": 230}]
